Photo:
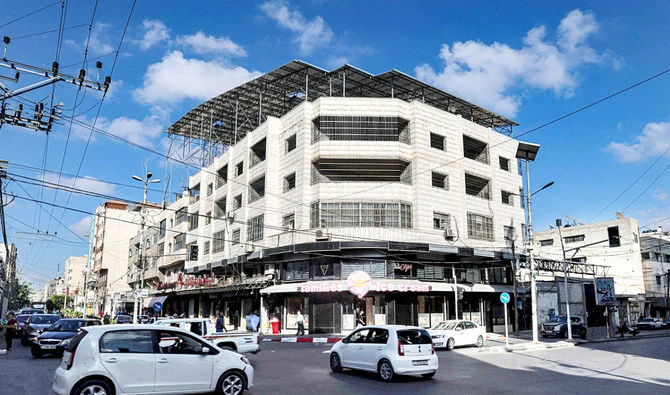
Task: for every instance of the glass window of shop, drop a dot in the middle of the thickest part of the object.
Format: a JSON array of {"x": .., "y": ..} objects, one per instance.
[
  {"x": 376, "y": 269},
  {"x": 293, "y": 305},
  {"x": 431, "y": 310},
  {"x": 431, "y": 272},
  {"x": 324, "y": 269},
  {"x": 297, "y": 271}
]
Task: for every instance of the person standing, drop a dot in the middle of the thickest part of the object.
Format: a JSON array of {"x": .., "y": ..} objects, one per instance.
[
  {"x": 220, "y": 323},
  {"x": 300, "y": 320},
  {"x": 9, "y": 332}
]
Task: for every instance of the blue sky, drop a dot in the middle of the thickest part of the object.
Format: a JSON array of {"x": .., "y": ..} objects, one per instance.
[{"x": 530, "y": 61}]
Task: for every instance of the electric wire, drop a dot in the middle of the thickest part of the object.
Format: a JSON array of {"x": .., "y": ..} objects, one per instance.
[
  {"x": 48, "y": 31},
  {"x": 30, "y": 13}
]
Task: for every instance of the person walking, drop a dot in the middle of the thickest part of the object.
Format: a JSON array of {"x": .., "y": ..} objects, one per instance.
[
  {"x": 9, "y": 331},
  {"x": 300, "y": 320},
  {"x": 220, "y": 323}
]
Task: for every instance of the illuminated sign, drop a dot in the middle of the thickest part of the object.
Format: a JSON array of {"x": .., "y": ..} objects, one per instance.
[{"x": 359, "y": 283}]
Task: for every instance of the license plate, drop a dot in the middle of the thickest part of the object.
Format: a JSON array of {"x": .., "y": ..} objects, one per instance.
[
  {"x": 420, "y": 363},
  {"x": 48, "y": 347},
  {"x": 439, "y": 344}
]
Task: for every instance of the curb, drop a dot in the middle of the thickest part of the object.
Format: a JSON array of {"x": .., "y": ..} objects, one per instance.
[
  {"x": 528, "y": 347},
  {"x": 625, "y": 338},
  {"x": 304, "y": 339}
]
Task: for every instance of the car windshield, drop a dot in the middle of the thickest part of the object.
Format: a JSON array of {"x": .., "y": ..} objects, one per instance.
[
  {"x": 124, "y": 318},
  {"x": 446, "y": 326},
  {"x": 561, "y": 318},
  {"x": 22, "y": 318},
  {"x": 66, "y": 326},
  {"x": 414, "y": 336},
  {"x": 43, "y": 319}
]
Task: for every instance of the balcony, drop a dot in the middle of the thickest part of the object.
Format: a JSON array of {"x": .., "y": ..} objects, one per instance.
[{"x": 171, "y": 259}]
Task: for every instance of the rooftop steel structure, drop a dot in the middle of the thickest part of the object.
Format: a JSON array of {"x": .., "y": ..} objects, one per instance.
[{"x": 230, "y": 116}]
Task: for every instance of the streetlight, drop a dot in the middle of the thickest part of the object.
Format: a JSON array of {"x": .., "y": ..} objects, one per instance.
[
  {"x": 559, "y": 225},
  {"x": 143, "y": 213}
]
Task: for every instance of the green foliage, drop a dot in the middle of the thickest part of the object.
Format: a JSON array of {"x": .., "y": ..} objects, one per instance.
[
  {"x": 50, "y": 305},
  {"x": 58, "y": 301},
  {"x": 19, "y": 294}
]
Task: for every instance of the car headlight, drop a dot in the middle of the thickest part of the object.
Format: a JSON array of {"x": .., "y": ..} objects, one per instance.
[
  {"x": 557, "y": 328},
  {"x": 438, "y": 336},
  {"x": 64, "y": 342},
  {"x": 33, "y": 339},
  {"x": 245, "y": 360}
]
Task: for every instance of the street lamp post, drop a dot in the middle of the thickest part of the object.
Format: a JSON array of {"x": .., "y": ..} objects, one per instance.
[
  {"x": 143, "y": 221},
  {"x": 559, "y": 225}
]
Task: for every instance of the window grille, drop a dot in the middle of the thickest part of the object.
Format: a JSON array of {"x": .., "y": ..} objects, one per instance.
[
  {"x": 288, "y": 222},
  {"x": 350, "y": 214},
  {"x": 437, "y": 141},
  {"x": 289, "y": 182},
  {"x": 507, "y": 198},
  {"x": 480, "y": 227},
  {"x": 504, "y": 163},
  {"x": 291, "y": 143},
  {"x": 219, "y": 241},
  {"x": 255, "y": 228},
  {"x": 477, "y": 186},
  {"x": 440, "y": 180},
  {"x": 546, "y": 243},
  {"x": 235, "y": 238},
  {"x": 205, "y": 248},
  {"x": 475, "y": 150},
  {"x": 257, "y": 153},
  {"x": 193, "y": 220},
  {"x": 222, "y": 177},
  {"x": 237, "y": 202},
  {"x": 573, "y": 239},
  {"x": 220, "y": 210},
  {"x": 360, "y": 128},
  {"x": 257, "y": 189},
  {"x": 239, "y": 169}
]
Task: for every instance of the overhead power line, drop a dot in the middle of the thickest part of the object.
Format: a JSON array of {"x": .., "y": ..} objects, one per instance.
[{"x": 30, "y": 13}]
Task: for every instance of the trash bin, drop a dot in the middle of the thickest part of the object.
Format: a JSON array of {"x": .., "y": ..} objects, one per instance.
[{"x": 275, "y": 325}]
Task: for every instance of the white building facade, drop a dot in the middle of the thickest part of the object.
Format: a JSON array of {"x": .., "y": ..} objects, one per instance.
[{"x": 655, "y": 249}]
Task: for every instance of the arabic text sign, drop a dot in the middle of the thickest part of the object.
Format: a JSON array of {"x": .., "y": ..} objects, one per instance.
[{"x": 605, "y": 295}]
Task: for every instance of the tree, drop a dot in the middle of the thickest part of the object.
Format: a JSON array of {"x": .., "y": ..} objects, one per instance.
[
  {"x": 19, "y": 294},
  {"x": 49, "y": 304},
  {"x": 58, "y": 301}
]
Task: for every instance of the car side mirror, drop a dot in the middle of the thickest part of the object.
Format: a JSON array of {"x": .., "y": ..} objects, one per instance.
[
  {"x": 345, "y": 340},
  {"x": 458, "y": 329},
  {"x": 205, "y": 350}
]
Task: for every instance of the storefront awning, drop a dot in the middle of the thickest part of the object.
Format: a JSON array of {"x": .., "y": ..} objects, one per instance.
[
  {"x": 149, "y": 302},
  {"x": 283, "y": 288},
  {"x": 434, "y": 286}
]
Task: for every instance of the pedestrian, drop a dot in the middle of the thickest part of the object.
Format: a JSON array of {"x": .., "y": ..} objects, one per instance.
[
  {"x": 220, "y": 323},
  {"x": 360, "y": 320},
  {"x": 300, "y": 320},
  {"x": 9, "y": 331},
  {"x": 248, "y": 324},
  {"x": 254, "y": 320}
]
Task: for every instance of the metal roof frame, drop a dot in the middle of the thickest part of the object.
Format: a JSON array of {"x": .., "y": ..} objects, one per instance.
[{"x": 227, "y": 118}]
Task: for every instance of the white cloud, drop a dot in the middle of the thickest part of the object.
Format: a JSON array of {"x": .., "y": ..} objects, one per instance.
[
  {"x": 176, "y": 78},
  {"x": 81, "y": 227},
  {"x": 660, "y": 194},
  {"x": 490, "y": 75},
  {"x": 86, "y": 183},
  {"x": 155, "y": 32},
  {"x": 208, "y": 44},
  {"x": 308, "y": 34},
  {"x": 654, "y": 141},
  {"x": 140, "y": 131},
  {"x": 97, "y": 43}
]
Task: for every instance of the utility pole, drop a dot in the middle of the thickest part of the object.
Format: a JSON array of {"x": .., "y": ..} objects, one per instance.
[
  {"x": 67, "y": 291},
  {"x": 453, "y": 274},
  {"x": 559, "y": 224},
  {"x": 667, "y": 293},
  {"x": 516, "y": 303}
]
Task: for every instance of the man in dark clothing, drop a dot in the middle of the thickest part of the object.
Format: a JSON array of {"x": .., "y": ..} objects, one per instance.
[
  {"x": 9, "y": 332},
  {"x": 220, "y": 323}
]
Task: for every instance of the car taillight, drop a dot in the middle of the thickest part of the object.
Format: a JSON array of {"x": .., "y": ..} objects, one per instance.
[
  {"x": 401, "y": 349},
  {"x": 71, "y": 360},
  {"x": 432, "y": 348}
]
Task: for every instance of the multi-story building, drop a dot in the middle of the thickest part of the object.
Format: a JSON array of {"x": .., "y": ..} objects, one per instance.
[
  {"x": 602, "y": 249},
  {"x": 114, "y": 222},
  {"x": 655, "y": 247},
  {"x": 75, "y": 269},
  {"x": 8, "y": 254},
  {"x": 342, "y": 192}
]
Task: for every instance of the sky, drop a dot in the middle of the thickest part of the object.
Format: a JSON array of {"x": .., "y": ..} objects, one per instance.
[{"x": 533, "y": 62}]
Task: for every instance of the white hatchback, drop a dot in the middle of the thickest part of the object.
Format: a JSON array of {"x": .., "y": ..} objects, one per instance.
[
  {"x": 389, "y": 350},
  {"x": 454, "y": 333},
  {"x": 146, "y": 359}
]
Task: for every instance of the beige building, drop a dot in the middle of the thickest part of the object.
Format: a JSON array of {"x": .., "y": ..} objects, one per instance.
[
  {"x": 655, "y": 249},
  {"x": 75, "y": 267}
]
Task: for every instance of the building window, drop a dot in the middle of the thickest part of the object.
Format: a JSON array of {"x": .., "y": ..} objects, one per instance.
[
  {"x": 437, "y": 141},
  {"x": 290, "y": 144},
  {"x": 573, "y": 239},
  {"x": 208, "y": 218},
  {"x": 507, "y": 198},
  {"x": 255, "y": 228},
  {"x": 441, "y": 221},
  {"x": 239, "y": 169},
  {"x": 181, "y": 216},
  {"x": 237, "y": 202},
  {"x": 220, "y": 208},
  {"x": 658, "y": 280},
  {"x": 509, "y": 233},
  {"x": 235, "y": 238},
  {"x": 289, "y": 182},
  {"x": 288, "y": 222},
  {"x": 257, "y": 189},
  {"x": 480, "y": 227},
  {"x": 219, "y": 241},
  {"x": 180, "y": 241},
  {"x": 645, "y": 255},
  {"x": 477, "y": 186},
  {"x": 613, "y": 236},
  {"x": 579, "y": 259},
  {"x": 221, "y": 176},
  {"x": 257, "y": 153},
  {"x": 210, "y": 189},
  {"x": 504, "y": 163},
  {"x": 161, "y": 229},
  {"x": 297, "y": 271},
  {"x": 440, "y": 180},
  {"x": 361, "y": 170},
  {"x": 546, "y": 243},
  {"x": 360, "y": 128},
  {"x": 335, "y": 215},
  {"x": 205, "y": 248},
  {"x": 475, "y": 150},
  {"x": 193, "y": 220}
]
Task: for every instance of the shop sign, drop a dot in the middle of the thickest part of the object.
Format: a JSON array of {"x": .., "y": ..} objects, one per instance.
[
  {"x": 605, "y": 295},
  {"x": 403, "y": 268},
  {"x": 188, "y": 282},
  {"x": 359, "y": 283}
]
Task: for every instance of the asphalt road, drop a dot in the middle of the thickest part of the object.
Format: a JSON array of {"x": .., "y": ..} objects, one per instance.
[{"x": 637, "y": 366}]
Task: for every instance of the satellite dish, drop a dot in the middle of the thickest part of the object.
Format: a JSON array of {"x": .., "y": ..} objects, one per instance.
[{"x": 619, "y": 215}]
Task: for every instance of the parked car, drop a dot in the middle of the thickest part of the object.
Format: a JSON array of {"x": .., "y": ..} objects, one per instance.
[
  {"x": 148, "y": 359},
  {"x": 124, "y": 319},
  {"x": 557, "y": 327},
  {"x": 650, "y": 323},
  {"x": 31, "y": 311},
  {"x": 389, "y": 350},
  {"x": 21, "y": 319},
  {"x": 241, "y": 342},
  {"x": 54, "y": 339},
  {"x": 666, "y": 322},
  {"x": 35, "y": 324},
  {"x": 454, "y": 333}
]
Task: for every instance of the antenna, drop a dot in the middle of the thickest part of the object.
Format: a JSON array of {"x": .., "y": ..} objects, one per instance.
[{"x": 575, "y": 220}]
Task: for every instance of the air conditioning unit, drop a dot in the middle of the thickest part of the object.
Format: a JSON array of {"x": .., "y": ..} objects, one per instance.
[
  {"x": 322, "y": 236},
  {"x": 249, "y": 249},
  {"x": 269, "y": 269},
  {"x": 449, "y": 234}
]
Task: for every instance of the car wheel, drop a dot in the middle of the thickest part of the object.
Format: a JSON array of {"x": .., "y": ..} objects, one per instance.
[
  {"x": 480, "y": 341},
  {"x": 93, "y": 387},
  {"x": 231, "y": 383},
  {"x": 428, "y": 376},
  {"x": 385, "y": 370},
  {"x": 36, "y": 352},
  {"x": 450, "y": 344},
  {"x": 335, "y": 363}
]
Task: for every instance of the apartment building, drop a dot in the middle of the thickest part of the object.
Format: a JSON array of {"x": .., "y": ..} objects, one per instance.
[
  {"x": 75, "y": 270},
  {"x": 655, "y": 250}
]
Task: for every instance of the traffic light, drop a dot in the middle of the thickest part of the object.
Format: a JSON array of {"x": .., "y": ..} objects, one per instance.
[{"x": 193, "y": 252}]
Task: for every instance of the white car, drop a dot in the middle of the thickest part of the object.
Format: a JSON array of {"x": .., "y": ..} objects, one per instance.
[
  {"x": 388, "y": 350},
  {"x": 148, "y": 359},
  {"x": 453, "y": 333}
]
